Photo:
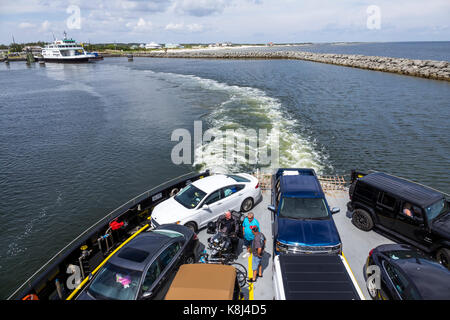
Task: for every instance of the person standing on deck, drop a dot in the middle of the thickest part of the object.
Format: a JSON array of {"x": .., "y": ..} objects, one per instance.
[
  {"x": 249, "y": 222},
  {"x": 258, "y": 245}
]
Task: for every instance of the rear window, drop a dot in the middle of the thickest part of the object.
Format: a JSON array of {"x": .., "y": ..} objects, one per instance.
[
  {"x": 237, "y": 178},
  {"x": 364, "y": 191},
  {"x": 133, "y": 254},
  {"x": 387, "y": 201},
  {"x": 303, "y": 208},
  {"x": 114, "y": 282}
]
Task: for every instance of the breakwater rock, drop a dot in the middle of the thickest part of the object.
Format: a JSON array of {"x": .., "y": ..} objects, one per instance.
[{"x": 439, "y": 70}]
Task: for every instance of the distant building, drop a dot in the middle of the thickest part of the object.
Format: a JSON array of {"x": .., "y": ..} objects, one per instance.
[
  {"x": 220, "y": 44},
  {"x": 33, "y": 49},
  {"x": 270, "y": 44},
  {"x": 142, "y": 46},
  {"x": 134, "y": 47},
  {"x": 152, "y": 45}
]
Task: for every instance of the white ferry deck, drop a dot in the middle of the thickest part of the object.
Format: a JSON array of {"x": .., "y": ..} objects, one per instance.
[{"x": 356, "y": 245}]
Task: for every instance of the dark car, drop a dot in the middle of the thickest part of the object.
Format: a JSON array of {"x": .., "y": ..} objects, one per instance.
[
  {"x": 144, "y": 267},
  {"x": 302, "y": 220},
  {"x": 406, "y": 273},
  {"x": 410, "y": 212}
]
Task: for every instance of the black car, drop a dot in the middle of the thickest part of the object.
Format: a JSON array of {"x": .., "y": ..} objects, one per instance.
[
  {"x": 406, "y": 273},
  {"x": 410, "y": 212},
  {"x": 145, "y": 267}
]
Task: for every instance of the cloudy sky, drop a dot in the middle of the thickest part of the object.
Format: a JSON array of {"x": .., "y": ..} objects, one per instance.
[{"x": 239, "y": 21}]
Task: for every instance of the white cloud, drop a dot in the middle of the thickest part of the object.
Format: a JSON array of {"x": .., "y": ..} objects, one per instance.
[
  {"x": 200, "y": 8},
  {"x": 175, "y": 26},
  {"x": 26, "y": 25},
  {"x": 193, "y": 27},
  {"x": 235, "y": 20},
  {"x": 141, "y": 25},
  {"x": 44, "y": 26}
]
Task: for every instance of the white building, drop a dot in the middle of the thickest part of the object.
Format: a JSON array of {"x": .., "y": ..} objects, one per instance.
[{"x": 152, "y": 45}]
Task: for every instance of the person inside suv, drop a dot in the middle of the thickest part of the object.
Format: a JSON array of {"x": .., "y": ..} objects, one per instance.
[{"x": 407, "y": 210}]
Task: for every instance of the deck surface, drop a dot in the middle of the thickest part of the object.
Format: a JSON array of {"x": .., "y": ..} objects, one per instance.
[{"x": 356, "y": 245}]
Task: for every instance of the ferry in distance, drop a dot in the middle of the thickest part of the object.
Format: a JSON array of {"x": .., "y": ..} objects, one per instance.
[{"x": 66, "y": 50}]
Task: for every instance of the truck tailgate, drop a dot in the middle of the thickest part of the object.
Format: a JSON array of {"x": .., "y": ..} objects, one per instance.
[{"x": 314, "y": 277}]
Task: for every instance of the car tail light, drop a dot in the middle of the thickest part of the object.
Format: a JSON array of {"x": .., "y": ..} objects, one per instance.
[
  {"x": 195, "y": 236},
  {"x": 257, "y": 186},
  {"x": 370, "y": 252}
]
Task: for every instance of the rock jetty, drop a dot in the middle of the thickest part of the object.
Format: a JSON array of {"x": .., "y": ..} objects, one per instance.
[{"x": 438, "y": 70}]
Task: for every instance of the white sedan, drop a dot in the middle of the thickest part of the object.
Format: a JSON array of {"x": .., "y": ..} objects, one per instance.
[{"x": 206, "y": 199}]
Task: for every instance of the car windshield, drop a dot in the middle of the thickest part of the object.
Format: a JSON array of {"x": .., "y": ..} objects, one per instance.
[
  {"x": 190, "y": 196},
  {"x": 303, "y": 208},
  {"x": 114, "y": 282},
  {"x": 418, "y": 256},
  {"x": 403, "y": 254},
  {"x": 436, "y": 209}
]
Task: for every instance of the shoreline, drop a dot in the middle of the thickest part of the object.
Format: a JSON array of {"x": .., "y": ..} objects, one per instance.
[{"x": 430, "y": 69}]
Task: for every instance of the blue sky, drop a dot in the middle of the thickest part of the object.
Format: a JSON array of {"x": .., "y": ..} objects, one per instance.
[{"x": 239, "y": 21}]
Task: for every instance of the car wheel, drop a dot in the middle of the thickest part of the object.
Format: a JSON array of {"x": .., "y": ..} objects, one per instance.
[
  {"x": 443, "y": 256},
  {"x": 247, "y": 205},
  {"x": 192, "y": 226},
  {"x": 362, "y": 220}
]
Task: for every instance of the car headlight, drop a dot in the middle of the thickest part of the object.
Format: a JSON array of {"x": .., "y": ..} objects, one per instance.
[{"x": 281, "y": 247}]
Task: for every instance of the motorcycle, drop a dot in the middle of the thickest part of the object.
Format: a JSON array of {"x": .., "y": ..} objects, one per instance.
[{"x": 220, "y": 244}]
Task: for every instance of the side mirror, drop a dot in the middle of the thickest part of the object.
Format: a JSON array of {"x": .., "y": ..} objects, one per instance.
[
  {"x": 335, "y": 210},
  {"x": 205, "y": 207},
  {"x": 272, "y": 208}
]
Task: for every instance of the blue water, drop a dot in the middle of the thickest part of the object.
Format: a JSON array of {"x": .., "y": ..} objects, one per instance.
[{"x": 76, "y": 141}]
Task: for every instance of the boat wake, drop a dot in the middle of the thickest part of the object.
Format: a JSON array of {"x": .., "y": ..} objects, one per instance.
[{"x": 246, "y": 108}]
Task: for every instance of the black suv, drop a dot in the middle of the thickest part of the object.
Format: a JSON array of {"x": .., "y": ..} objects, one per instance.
[{"x": 406, "y": 210}]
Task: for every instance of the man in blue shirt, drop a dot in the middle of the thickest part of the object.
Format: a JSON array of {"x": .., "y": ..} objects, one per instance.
[{"x": 249, "y": 222}]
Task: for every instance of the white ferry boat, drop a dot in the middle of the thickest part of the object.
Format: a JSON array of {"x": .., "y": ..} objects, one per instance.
[{"x": 66, "y": 50}]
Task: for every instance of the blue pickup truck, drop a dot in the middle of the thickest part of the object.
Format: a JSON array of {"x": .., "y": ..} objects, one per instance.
[{"x": 302, "y": 221}]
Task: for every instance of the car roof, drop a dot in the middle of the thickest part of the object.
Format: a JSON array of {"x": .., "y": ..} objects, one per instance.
[
  {"x": 407, "y": 190},
  {"x": 137, "y": 254},
  {"x": 301, "y": 184},
  {"x": 214, "y": 182},
  {"x": 203, "y": 282},
  {"x": 431, "y": 279}
]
